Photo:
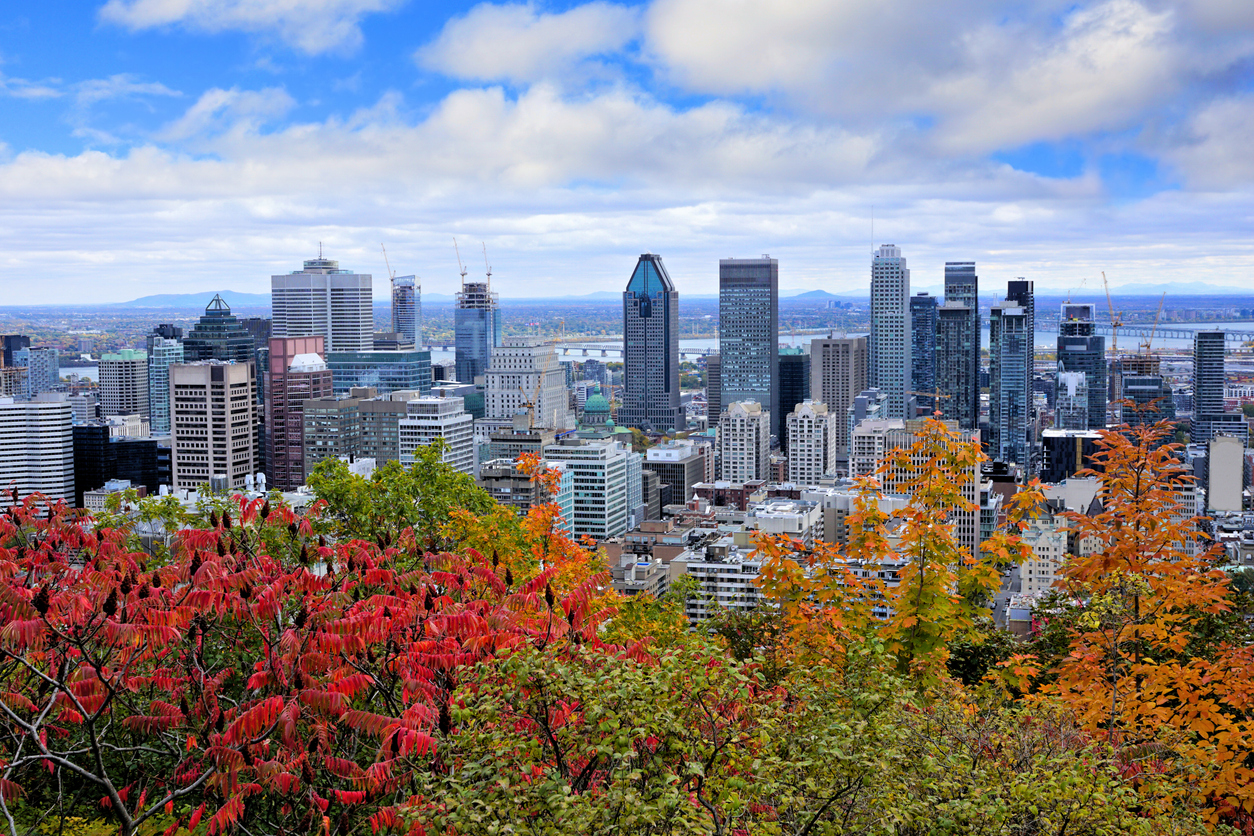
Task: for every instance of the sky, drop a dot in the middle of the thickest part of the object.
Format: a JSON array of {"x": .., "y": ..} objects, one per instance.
[{"x": 161, "y": 146}]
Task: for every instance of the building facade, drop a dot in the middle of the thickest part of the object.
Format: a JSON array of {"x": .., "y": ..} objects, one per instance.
[
  {"x": 962, "y": 290},
  {"x": 322, "y": 299},
  {"x": 385, "y": 371},
  {"x": 1082, "y": 350},
  {"x": 744, "y": 442},
  {"x": 923, "y": 354},
  {"x": 524, "y": 375},
  {"x": 162, "y": 353},
  {"x": 793, "y": 375},
  {"x": 1010, "y": 368},
  {"x": 407, "y": 309},
  {"x": 748, "y": 333},
  {"x": 838, "y": 374},
  {"x": 427, "y": 419},
  {"x": 476, "y": 329},
  {"x": 213, "y": 415},
  {"x": 651, "y": 349},
  {"x": 889, "y": 352},
  {"x": 37, "y": 446},
  {"x": 811, "y": 430},
  {"x": 43, "y": 369},
  {"x": 297, "y": 373},
  {"x": 598, "y": 470},
  {"x": 124, "y": 383}
]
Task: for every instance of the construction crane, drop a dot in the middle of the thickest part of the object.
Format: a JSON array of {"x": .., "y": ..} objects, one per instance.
[
  {"x": 487, "y": 266},
  {"x": 1116, "y": 320},
  {"x": 1145, "y": 346},
  {"x": 937, "y": 395},
  {"x": 1116, "y": 372},
  {"x": 461, "y": 267},
  {"x": 530, "y": 403},
  {"x": 391, "y": 272}
]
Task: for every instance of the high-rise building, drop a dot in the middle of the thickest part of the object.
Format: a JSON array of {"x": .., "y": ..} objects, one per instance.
[
  {"x": 43, "y": 369},
  {"x": 680, "y": 464},
  {"x": 427, "y": 419},
  {"x": 962, "y": 290},
  {"x": 162, "y": 353},
  {"x": 213, "y": 407},
  {"x": 889, "y": 367},
  {"x": 811, "y": 430},
  {"x": 651, "y": 349},
  {"x": 298, "y": 373},
  {"x": 1071, "y": 400},
  {"x": 1209, "y": 382},
  {"x": 11, "y": 344},
  {"x": 124, "y": 383},
  {"x": 322, "y": 299},
  {"x": 476, "y": 328},
  {"x": 525, "y": 375},
  {"x": 1010, "y": 391},
  {"x": 838, "y": 373},
  {"x": 387, "y": 371},
  {"x": 748, "y": 333},
  {"x": 923, "y": 354},
  {"x": 793, "y": 375},
  {"x": 599, "y": 471},
  {"x": 219, "y": 335},
  {"x": 165, "y": 331},
  {"x": 407, "y": 308},
  {"x": 957, "y": 340},
  {"x": 1081, "y": 349},
  {"x": 100, "y": 455},
  {"x": 37, "y": 446},
  {"x": 744, "y": 442},
  {"x": 1152, "y": 399},
  {"x": 713, "y": 388}
]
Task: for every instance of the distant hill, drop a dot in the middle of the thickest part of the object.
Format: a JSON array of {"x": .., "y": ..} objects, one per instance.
[
  {"x": 198, "y": 301},
  {"x": 809, "y": 294}
]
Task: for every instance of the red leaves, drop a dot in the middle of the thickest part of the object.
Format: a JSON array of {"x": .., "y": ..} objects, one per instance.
[
  {"x": 227, "y": 815},
  {"x": 254, "y": 722}
]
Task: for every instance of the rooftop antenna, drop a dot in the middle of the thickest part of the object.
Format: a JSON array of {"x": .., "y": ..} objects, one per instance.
[
  {"x": 460, "y": 266},
  {"x": 319, "y": 250},
  {"x": 485, "y": 261}
]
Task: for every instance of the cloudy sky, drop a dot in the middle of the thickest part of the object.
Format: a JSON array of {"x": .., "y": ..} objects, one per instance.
[{"x": 151, "y": 146}]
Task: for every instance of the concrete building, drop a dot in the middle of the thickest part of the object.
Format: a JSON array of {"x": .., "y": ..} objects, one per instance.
[
  {"x": 407, "y": 309},
  {"x": 37, "y": 446},
  {"x": 889, "y": 352},
  {"x": 298, "y": 373},
  {"x": 924, "y": 310},
  {"x": 800, "y": 520},
  {"x": 838, "y": 374},
  {"x": 837, "y": 501},
  {"x": 793, "y": 375},
  {"x": 101, "y": 455},
  {"x": 124, "y": 382},
  {"x": 679, "y": 464},
  {"x": 744, "y": 442},
  {"x": 213, "y": 406},
  {"x": 1152, "y": 399},
  {"x": 1209, "y": 376},
  {"x": 958, "y": 345},
  {"x": 476, "y": 328},
  {"x": 1048, "y": 539},
  {"x": 869, "y": 405},
  {"x": 598, "y": 471},
  {"x": 651, "y": 349},
  {"x": 1082, "y": 350},
  {"x": 322, "y": 299},
  {"x": 1225, "y": 480},
  {"x": 748, "y": 333},
  {"x": 427, "y": 419},
  {"x": 162, "y": 353},
  {"x": 811, "y": 431},
  {"x": 1010, "y": 370},
  {"x": 524, "y": 375}
]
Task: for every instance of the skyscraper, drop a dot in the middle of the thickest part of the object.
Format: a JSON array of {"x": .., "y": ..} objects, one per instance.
[
  {"x": 923, "y": 359},
  {"x": 651, "y": 349},
  {"x": 713, "y": 389},
  {"x": 1071, "y": 400},
  {"x": 476, "y": 328},
  {"x": 298, "y": 373},
  {"x": 1010, "y": 369},
  {"x": 793, "y": 375},
  {"x": 407, "y": 308},
  {"x": 1080, "y": 349},
  {"x": 209, "y": 440},
  {"x": 323, "y": 299},
  {"x": 962, "y": 288},
  {"x": 219, "y": 335},
  {"x": 748, "y": 332},
  {"x": 838, "y": 372},
  {"x": 43, "y": 369},
  {"x": 524, "y": 374},
  {"x": 124, "y": 383},
  {"x": 811, "y": 442},
  {"x": 1209, "y": 382},
  {"x": 162, "y": 353},
  {"x": 744, "y": 442},
  {"x": 889, "y": 361},
  {"x": 37, "y": 441}
]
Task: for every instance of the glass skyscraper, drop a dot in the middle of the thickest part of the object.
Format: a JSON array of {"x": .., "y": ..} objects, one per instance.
[
  {"x": 1010, "y": 375},
  {"x": 476, "y": 329},
  {"x": 962, "y": 289},
  {"x": 889, "y": 368},
  {"x": 748, "y": 333},
  {"x": 794, "y": 384},
  {"x": 1080, "y": 349},
  {"x": 651, "y": 349},
  {"x": 923, "y": 359},
  {"x": 162, "y": 353},
  {"x": 322, "y": 299},
  {"x": 407, "y": 308}
]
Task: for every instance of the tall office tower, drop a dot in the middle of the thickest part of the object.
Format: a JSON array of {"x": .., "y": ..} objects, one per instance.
[
  {"x": 962, "y": 289},
  {"x": 407, "y": 308},
  {"x": 1152, "y": 398},
  {"x": 744, "y": 442},
  {"x": 713, "y": 388},
  {"x": 219, "y": 335},
  {"x": 525, "y": 375},
  {"x": 1208, "y": 373},
  {"x": 213, "y": 406},
  {"x": 1071, "y": 400},
  {"x": 1080, "y": 349},
  {"x": 811, "y": 442},
  {"x": 43, "y": 369},
  {"x": 37, "y": 446},
  {"x": 957, "y": 341},
  {"x": 793, "y": 375},
  {"x": 838, "y": 372},
  {"x": 1010, "y": 367},
  {"x": 748, "y": 333},
  {"x": 427, "y": 419},
  {"x": 600, "y": 468},
  {"x": 165, "y": 331},
  {"x": 923, "y": 359},
  {"x": 323, "y": 299},
  {"x": 298, "y": 373},
  {"x": 162, "y": 353},
  {"x": 124, "y": 383},
  {"x": 651, "y": 349},
  {"x": 476, "y": 328},
  {"x": 889, "y": 367}
]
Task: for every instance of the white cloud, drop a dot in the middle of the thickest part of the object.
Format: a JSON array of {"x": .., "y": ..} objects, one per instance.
[
  {"x": 21, "y": 88},
  {"x": 313, "y": 26},
  {"x": 121, "y": 85},
  {"x": 515, "y": 42},
  {"x": 238, "y": 110},
  {"x": 1213, "y": 148}
]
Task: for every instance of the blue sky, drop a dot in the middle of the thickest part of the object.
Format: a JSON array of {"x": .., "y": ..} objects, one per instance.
[{"x": 154, "y": 146}]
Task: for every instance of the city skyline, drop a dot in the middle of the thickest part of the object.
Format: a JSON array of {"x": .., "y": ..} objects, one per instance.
[{"x": 174, "y": 147}]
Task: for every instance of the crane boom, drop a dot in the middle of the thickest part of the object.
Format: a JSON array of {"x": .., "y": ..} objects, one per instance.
[
  {"x": 460, "y": 267},
  {"x": 386, "y": 263},
  {"x": 1154, "y": 330}
]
